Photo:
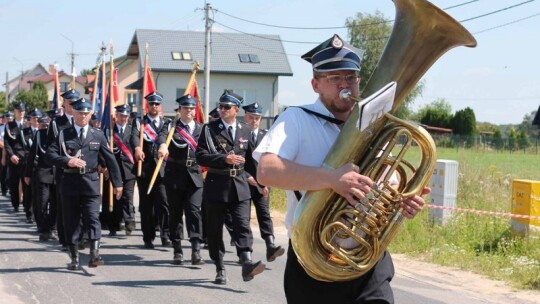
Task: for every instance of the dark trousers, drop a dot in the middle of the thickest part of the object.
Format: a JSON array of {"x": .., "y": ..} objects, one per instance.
[
  {"x": 123, "y": 209},
  {"x": 27, "y": 198},
  {"x": 44, "y": 206},
  {"x": 77, "y": 207},
  {"x": 215, "y": 215},
  {"x": 59, "y": 209},
  {"x": 262, "y": 210},
  {"x": 185, "y": 201},
  {"x": 3, "y": 179},
  {"x": 153, "y": 208},
  {"x": 15, "y": 173},
  {"x": 373, "y": 287}
]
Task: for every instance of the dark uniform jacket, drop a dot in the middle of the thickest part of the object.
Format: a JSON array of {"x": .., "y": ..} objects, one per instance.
[
  {"x": 127, "y": 168},
  {"x": 251, "y": 164},
  {"x": 149, "y": 147},
  {"x": 57, "y": 124},
  {"x": 213, "y": 146},
  {"x": 94, "y": 147},
  {"x": 36, "y": 167},
  {"x": 15, "y": 141},
  {"x": 181, "y": 164}
]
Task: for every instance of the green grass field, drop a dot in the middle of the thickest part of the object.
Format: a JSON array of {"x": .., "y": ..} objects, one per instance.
[{"x": 480, "y": 243}]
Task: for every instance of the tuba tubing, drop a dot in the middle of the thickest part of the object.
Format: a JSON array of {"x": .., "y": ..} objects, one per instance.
[{"x": 420, "y": 35}]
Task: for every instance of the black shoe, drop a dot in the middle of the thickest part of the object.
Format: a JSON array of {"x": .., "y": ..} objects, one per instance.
[
  {"x": 221, "y": 277},
  {"x": 122, "y": 227},
  {"x": 43, "y": 237},
  {"x": 196, "y": 258},
  {"x": 29, "y": 220},
  {"x": 64, "y": 248},
  {"x": 81, "y": 245},
  {"x": 149, "y": 245},
  {"x": 112, "y": 233},
  {"x": 95, "y": 259},
  {"x": 74, "y": 255},
  {"x": 15, "y": 209},
  {"x": 178, "y": 259},
  {"x": 273, "y": 252},
  {"x": 250, "y": 270},
  {"x": 165, "y": 242}
]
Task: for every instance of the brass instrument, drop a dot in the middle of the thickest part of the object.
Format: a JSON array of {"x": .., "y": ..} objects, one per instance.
[{"x": 333, "y": 240}]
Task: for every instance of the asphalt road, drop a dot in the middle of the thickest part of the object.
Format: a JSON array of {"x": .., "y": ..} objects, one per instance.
[{"x": 35, "y": 272}]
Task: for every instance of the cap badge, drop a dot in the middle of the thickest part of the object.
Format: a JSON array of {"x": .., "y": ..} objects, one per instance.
[{"x": 336, "y": 42}]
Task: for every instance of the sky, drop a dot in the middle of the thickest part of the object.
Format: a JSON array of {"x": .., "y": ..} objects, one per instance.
[{"x": 499, "y": 79}]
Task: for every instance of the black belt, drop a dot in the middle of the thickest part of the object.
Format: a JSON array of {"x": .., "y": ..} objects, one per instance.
[
  {"x": 80, "y": 170},
  {"x": 189, "y": 162},
  {"x": 229, "y": 172}
]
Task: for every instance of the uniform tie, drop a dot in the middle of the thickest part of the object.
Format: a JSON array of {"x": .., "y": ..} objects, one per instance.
[
  {"x": 154, "y": 122},
  {"x": 253, "y": 139},
  {"x": 122, "y": 132},
  {"x": 81, "y": 136},
  {"x": 230, "y": 132}
]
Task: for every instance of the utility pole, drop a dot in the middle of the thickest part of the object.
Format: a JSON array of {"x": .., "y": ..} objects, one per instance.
[
  {"x": 72, "y": 55},
  {"x": 7, "y": 87},
  {"x": 208, "y": 30},
  {"x": 22, "y": 72}
]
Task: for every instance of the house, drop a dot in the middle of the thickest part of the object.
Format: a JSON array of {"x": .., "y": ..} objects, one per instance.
[
  {"x": 250, "y": 65},
  {"x": 26, "y": 80}
]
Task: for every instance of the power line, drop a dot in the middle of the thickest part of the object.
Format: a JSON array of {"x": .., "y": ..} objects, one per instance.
[
  {"x": 508, "y": 23},
  {"x": 486, "y": 98},
  {"x": 498, "y": 11},
  {"x": 458, "y": 5}
]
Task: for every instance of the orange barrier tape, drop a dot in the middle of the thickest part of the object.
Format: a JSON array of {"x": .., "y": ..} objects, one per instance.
[{"x": 501, "y": 214}]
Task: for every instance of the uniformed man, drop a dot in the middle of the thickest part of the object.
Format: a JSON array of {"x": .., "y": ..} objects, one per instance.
[
  {"x": 77, "y": 151},
  {"x": 56, "y": 125},
  {"x": 39, "y": 176},
  {"x": 3, "y": 167},
  {"x": 260, "y": 194},
  {"x": 123, "y": 210},
  {"x": 153, "y": 207},
  {"x": 14, "y": 146},
  {"x": 222, "y": 148},
  {"x": 28, "y": 137},
  {"x": 183, "y": 180}
]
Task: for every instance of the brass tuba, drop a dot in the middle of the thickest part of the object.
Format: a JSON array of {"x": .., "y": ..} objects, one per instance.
[{"x": 337, "y": 242}]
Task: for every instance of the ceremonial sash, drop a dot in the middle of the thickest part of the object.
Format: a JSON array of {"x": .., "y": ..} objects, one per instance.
[
  {"x": 120, "y": 143},
  {"x": 151, "y": 133},
  {"x": 192, "y": 143}
]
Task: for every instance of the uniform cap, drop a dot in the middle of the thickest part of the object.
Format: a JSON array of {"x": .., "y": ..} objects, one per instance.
[
  {"x": 253, "y": 108},
  {"x": 186, "y": 101},
  {"x": 231, "y": 98},
  {"x": 122, "y": 109},
  {"x": 82, "y": 106},
  {"x": 154, "y": 97},
  {"x": 70, "y": 95},
  {"x": 35, "y": 113},
  {"x": 20, "y": 106},
  {"x": 333, "y": 55}
]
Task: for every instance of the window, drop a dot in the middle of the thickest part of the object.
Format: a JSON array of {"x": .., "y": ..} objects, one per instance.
[
  {"x": 64, "y": 86},
  {"x": 181, "y": 56},
  {"x": 131, "y": 97},
  {"x": 253, "y": 58}
]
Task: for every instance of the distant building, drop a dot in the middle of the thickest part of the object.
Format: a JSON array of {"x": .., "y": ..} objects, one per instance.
[{"x": 250, "y": 65}]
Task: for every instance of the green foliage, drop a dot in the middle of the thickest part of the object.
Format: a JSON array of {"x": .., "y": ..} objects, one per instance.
[
  {"x": 370, "y": 33},
  {"x": 475, "y": 242},
  {"x": 512, "y": 139},
  {"x": 436, "y": 114},
  {"x": 523, "y": 139},
  {"x": 36, "y": 98},
  {"x": 464, "y": 122},
  {"x": 498, "y": 142},
  {"x": 2, "y": 102}
]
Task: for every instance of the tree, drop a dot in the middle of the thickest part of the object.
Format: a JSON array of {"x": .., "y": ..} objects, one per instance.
[
  {"x": 369, "y": 32},
  {"x": 498, "y": 142},
  {"x": 523, "y": 139},
  {"x": 464, "y": 122},
  {"x": 512, "y": 139},
  {"x": 437, "y": 114},
  {"x": 36, "y": 98},
  {"x": 2, "y": 102}
]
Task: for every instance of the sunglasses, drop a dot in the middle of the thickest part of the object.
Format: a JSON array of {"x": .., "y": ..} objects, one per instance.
[{"x": 226, "y": 107}]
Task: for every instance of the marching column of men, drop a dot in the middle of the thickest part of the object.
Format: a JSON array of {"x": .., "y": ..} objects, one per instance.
[
  {"x": 153, "y": 206},
  {"x": 57, "y": 163}
]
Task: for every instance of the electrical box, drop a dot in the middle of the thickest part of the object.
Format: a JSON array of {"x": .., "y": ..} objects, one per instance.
[
  {"x": 525, "y": 201},
  {"x": 444, "y": 184}
]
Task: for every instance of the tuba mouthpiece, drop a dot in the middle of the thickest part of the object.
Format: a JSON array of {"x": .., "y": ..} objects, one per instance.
[{"x": 345, "y": 94}]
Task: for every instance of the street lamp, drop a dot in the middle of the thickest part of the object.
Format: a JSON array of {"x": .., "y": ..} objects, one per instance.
[{"x": 72, "y": 54}]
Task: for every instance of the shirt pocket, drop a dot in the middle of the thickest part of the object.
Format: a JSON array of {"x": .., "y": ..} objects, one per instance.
[{"x": 94, "y": 146}]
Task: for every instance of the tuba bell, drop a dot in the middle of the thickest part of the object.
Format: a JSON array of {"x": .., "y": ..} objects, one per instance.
[{"x": 333, "y": 240}]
